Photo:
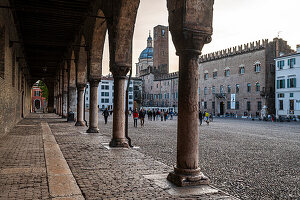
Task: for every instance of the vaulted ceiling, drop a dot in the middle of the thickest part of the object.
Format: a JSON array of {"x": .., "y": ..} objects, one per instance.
[{"x": 47, "y": 28}]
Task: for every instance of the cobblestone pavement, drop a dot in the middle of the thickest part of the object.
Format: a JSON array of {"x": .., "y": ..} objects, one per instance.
[
  {"x": 103, "y": 173},
  {"x": 22, "y": 164},
  {"x": 248, "y": 159}
]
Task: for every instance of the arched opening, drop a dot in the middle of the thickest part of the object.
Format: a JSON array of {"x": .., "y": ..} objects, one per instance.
[{"x": 39, "y": 97}]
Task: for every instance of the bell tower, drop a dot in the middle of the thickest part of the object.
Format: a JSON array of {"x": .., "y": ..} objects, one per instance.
[{"x": 161, "y": 50}]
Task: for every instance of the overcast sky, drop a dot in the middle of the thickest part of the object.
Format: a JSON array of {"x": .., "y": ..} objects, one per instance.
[{"x": 235, "y": 22}]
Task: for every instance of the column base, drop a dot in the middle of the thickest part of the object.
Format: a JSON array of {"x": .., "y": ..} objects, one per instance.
[
  {"x": 80, "y": 123},
  {"x": 93, "y": 130},
  {"x": 118, "y": 143},
  {"x": 187, "y": 177}
]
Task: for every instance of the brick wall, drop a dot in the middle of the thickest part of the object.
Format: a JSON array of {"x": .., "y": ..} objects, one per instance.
[{"x": 12, "y": 92}]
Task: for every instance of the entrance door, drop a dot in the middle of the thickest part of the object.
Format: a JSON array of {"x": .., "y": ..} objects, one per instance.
[
  {"x": 221, "y": 108},
  {"x": 37, "y": 104},
  {"x": 292, "y": 106}
]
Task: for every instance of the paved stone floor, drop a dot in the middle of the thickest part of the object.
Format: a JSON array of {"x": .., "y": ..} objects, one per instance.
[
  {"x": 248, "y": 159},
  {"x": 27, "y": 170}
]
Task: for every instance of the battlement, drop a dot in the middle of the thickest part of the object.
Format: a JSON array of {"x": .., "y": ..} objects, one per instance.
[
  {"x": 167, "y": 76},
  {"x": 241, "y": 49}
]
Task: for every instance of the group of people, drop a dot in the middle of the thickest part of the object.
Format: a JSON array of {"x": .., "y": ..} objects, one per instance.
[
  {"x": 152, "y": 115},
  {"x": 206, "y": 117}
]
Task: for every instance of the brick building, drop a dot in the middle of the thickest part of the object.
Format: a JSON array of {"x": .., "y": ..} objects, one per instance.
[
  {"x": 240, "y": 80},
  {"x": 38, "y": 103}
]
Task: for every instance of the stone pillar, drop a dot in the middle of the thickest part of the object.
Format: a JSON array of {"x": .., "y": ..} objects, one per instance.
[
  {"x": 118, "y": 139},
  {"x": 189, "y": 33},
  {"x": 80, "y": 105},
  {"x": 93, "y": 114},
  {"x": 72, "y": 99},
  {"x": 187, "y": 171},
  {"x": 65, "y": 101}
]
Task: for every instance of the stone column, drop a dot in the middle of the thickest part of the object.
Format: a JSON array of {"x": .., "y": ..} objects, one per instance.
[
  {"x": 118, "y": 139},
  {"x": 187, "y": 171},
  {"x": 93, "y": 114},
  {"x": 72, "y": 99},
  {"x": 65, "y": 101},
  {"x": 189, "y": 33},
  {"x": 80, "y": 105}
]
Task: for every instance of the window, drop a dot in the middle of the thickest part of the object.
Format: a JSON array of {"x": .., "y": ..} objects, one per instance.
[
  {"x": 163, "y": 32},
  {"x": 249, "y": 87},
  {"x": 37, "y": 93},
  {"x": 248, "y": 105},
  {"x": 215, "y": 74},
  {"x": 242, "y": 70},
  {"x": 281, "y": 95},
  {"x": 227, "y": 72},
  {"x": 237, "y": 88},
  {"x": 257, "y": 86},
  {"x": 280, "y": 84},
  {"x": 106, "y": 100},
  {"x": 167, "y": 95},
  {"x": 213, "y": 89},
  {"x": 2, "y": 50},
  {"x": 205, "y": 91},
  {"x": 291, "y": 83},
  {"x": 130, "y": 97},
  {"x": 105, "y": 87},
  {"x": 130, "y": 89},
  {"x": 205, "y": 105},
  {"x": 237, "y": 105},
  {"x": 228, "y": 105},
  {"x": 291, "y": 62},
  {"x": 221, "y": 89},
  {"x": 257, "y": 67},
  {"x": 280, "y": 104},
  {"x": 213, "y": 105},
  {"x": 259, "y": 105},
  {"x": 205, "y": 76},
  {"x": 156, "y": 85},
  {"x": 228, "y": 89},
  {"x": 291, "y": 94},
  {"x": 280, "y": 64}
]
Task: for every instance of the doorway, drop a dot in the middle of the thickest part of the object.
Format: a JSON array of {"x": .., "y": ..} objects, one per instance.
[
  {"x": 221, "y": 108},
  {"x": 37, "y": 104}
]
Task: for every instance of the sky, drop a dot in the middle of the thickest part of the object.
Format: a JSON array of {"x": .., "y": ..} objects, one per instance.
[{"x": 235, "y": 22}]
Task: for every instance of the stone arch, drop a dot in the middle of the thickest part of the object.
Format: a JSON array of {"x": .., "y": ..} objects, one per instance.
[
  {"x": 97, "y": 46},
  {"x": 81, "y": 68}
]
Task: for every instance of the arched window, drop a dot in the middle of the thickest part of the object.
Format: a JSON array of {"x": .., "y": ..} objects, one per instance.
[{"x": 257, "y": 67}]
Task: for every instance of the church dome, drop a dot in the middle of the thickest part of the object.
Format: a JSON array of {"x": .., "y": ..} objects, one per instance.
[{"x": 147, "y": 53}]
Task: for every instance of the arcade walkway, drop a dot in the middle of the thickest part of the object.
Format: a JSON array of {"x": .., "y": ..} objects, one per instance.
[{"x": 44, "y": 157}]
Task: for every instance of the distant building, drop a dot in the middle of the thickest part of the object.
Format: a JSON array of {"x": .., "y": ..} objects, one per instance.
[
  {"x": 106, "y": 93},
  {"x": 160, "y": 88},
  {"x": 240, "y": 80},
  {"x": 38, "y": 103},
  {"x": 288, "y": 84}
]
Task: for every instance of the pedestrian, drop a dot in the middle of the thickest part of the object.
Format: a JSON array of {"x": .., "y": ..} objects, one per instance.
[
  {"x": 165, "y": 115},
  {"x": 162, "y": 115},
  {"x": 150, "y": 115},
  {"x": 129, "y": 112},
  {"x": 200, "y": 117},
  {"x": 207, "y": 118},
  {"x": 211, "y": 117},
  {"x": 135, "y": 117},
  {"x": 157, "y": 114},
  {"x": 105, "y": 114},
  {"x": 171, "y": 114},
  {"x": 142, "y": 117}
]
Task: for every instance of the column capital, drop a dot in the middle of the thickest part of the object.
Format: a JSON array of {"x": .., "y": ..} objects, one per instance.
[
  {"x": 81, "y": 86},
  {"x": 94, "y": 82},
  {"x": 120, "y": 71}
]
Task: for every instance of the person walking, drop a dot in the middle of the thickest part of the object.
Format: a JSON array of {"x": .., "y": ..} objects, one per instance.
[
  {"x": 105, "y": 114},
  {"x": 135, "y": 117},
  {"x": 162, "y": 115},
  {"x": 165, "y": 115},
  {"x": 207, "y": 118},
  {"x": 150, "y": 115},
  {"x": 142, "y": 117},
  {"x": 200, "y": 117}
]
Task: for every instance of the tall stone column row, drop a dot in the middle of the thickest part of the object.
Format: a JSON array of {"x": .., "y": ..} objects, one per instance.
[{"x": 93, "y": 113}]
